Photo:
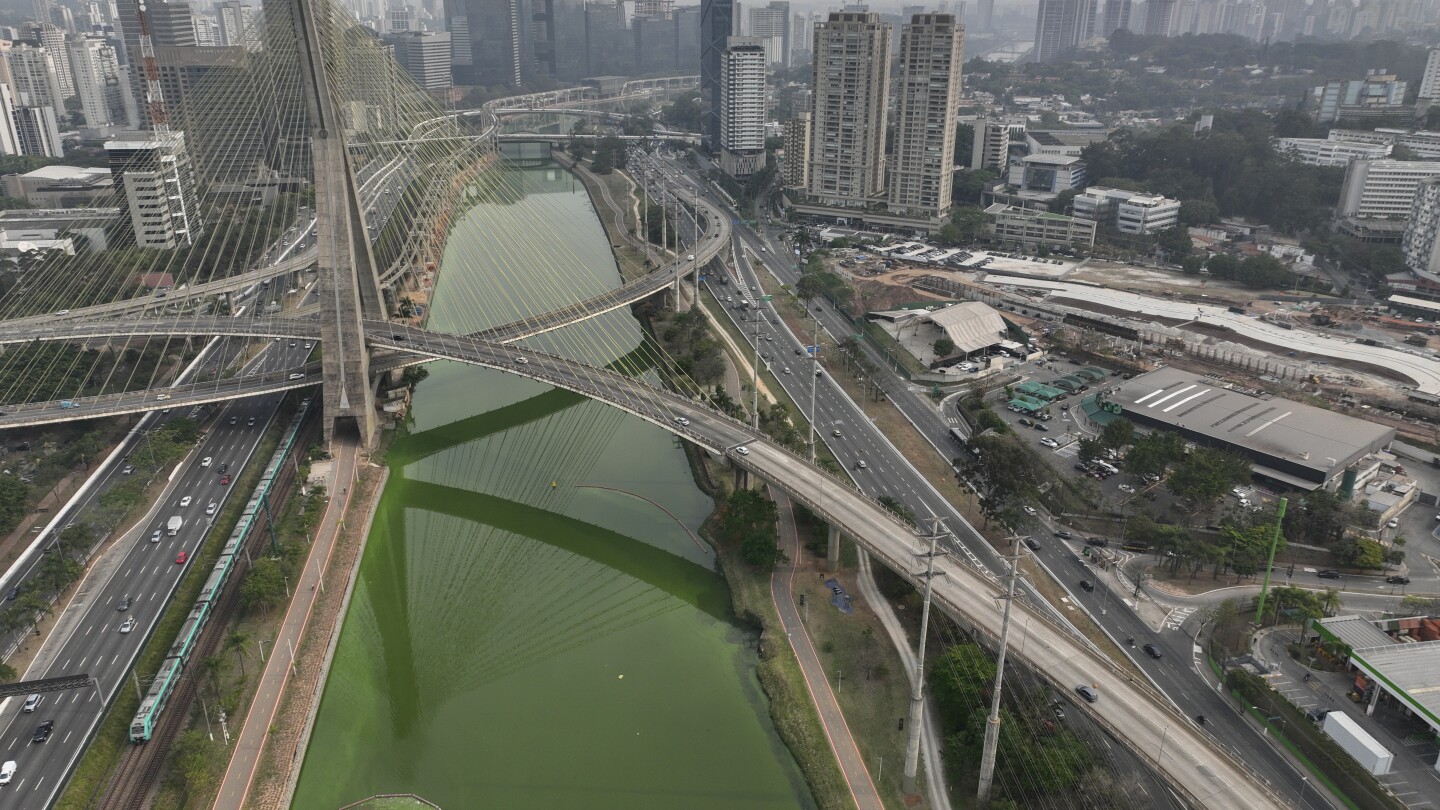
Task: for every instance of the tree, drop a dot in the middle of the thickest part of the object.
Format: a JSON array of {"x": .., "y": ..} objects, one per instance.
[
  {"x": 1117, "y": 434},
  {"x": 14, "y": 502},
  {"x": 1363, "y": 553},
  {"x": 264, "y": 585},
  {"x": 1192, "y": 264},
  {"x": 748, "y": 519},
  {"x": 1152, "y": 453},
  {"x": 1089, "y": 449},
  {"x": 1198, "y": 212},
  {"x": 235, "y": 642},
  {"x": 1062, "y": 202},
  {"x": 8, "y": 674},
  {"x": 1223, "y": 265},
  {"x": 194, "y": 758},
  {"x": 944, "y": 347},
  {"x": 966, "y": 226},
  {"x": 1207, "y": 474},
  {"x": 1175, "y": 241}
]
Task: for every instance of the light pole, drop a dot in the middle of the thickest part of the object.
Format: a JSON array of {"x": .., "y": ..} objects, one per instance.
[
  {"x": 1161, "y": 752},
  {"x": 261, "y": 645},
  {"x": 917, "y": 697},
  {"x": 992, "y": 723}
]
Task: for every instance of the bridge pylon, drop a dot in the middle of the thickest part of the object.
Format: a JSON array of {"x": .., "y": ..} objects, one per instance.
[{"x": 347, "y": 279}]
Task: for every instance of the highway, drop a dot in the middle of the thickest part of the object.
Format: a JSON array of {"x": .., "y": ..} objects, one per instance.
[
  {"x": 887, "y": 472},
  {"x": 88, "y": 639}
]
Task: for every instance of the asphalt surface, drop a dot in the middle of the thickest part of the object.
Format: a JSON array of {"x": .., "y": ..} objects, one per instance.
[
  {"x": 1181, "y": 674},
  {"x": 147, "y": 573}
]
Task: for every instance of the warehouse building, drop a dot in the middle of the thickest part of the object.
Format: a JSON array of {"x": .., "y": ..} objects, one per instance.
[{"x": 1290, "y": 443}]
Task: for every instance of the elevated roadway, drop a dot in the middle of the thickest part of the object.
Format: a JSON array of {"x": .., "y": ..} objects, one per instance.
[{"x": 1193, "y": 762}]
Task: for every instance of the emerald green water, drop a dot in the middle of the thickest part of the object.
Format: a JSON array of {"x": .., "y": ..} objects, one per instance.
[{"x": 517, "y": 636}]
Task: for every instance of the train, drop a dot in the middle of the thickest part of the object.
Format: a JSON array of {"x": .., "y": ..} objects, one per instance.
[{"x": 142, "y": 727}]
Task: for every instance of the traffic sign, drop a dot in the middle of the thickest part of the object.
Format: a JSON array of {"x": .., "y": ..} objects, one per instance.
[
  {"x": 812, "y": 349},
  {"x": 767, "y": 297}
]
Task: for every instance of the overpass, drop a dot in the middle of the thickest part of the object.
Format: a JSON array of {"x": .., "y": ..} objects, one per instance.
[{"x": 1137, "y": 715}]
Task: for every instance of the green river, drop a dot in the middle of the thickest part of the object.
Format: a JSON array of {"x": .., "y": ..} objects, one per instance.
[{"x": 520, "y": 635}]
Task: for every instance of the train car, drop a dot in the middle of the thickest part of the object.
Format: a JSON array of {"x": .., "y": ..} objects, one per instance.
[{"x": 142, "y": 727}]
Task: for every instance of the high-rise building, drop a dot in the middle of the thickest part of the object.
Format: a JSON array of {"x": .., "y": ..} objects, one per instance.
[
  {"x": 850, "y": 72},
  {"x": 425, "y": 55},
  {"x": 932, "y": 51},
  {"x": 32, "y": 77},
  {"x": 155, "y": 183},
  {"x": 717, "y": 23},
  {"x": 987, "y": 15},
  {"x": 1421, "y": 244},
  {"x": 401, "y": 18},
  {"x": 52, "y": 38},
  {"x": 9, "y": 139},
  {"x": 991, "y": 149},
  {"x": 1158, "y": 17},
  {"x": 97, "y": 82},
  {"x": 492, "y": 41},
  {"x": 797, "y": 151},
  {"x": 239, "y": 24},
  {"x": 1382, "y": 188},
  {"x": 771, "y": 23},
  {"x": 1060, "y": 26},
  {"x": 63, "y": 18},
  {"x": 655, "y": 9},
  {"x": 207, "y": 32},
  {"x": 37, "y": 131},
  {"x": 170, "y": 26},
  {"x": 1117, "y": 17},
  {"x": 1430, "y": 79},
  {"x": 742, "y": 106}
]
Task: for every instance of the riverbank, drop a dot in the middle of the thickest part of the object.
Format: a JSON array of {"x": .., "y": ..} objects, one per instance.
[{"x": 791, "y": 709}]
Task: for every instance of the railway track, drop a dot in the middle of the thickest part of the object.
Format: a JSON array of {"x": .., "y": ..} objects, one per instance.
[{"x": 136, "y": 775}]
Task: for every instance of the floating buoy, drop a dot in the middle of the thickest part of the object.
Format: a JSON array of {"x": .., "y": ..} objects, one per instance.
[{"x": 552, "y": 484}]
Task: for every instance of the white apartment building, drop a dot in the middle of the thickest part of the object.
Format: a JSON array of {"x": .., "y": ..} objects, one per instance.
[
  {"x": 932, "y": 48},
  {"x": 9, "y": 139},
  {"x": 1422, "y": 233},
  {"x": 851, "y": 81},
  {"x": 1327, "y": 152},
  {"x": 52, "y": 39},
  {"x": 1382, "y": 188},
  {"x": 742, "y": 106},
  {"x": 1129, "y": 211},
  {"x": 1011, "y": 224},
  {"x": 991, "y": 148},
  {"x": 238, "y": 24},
  {"x": 97, "y": 82},
  {"x": 32, "y": 77},
  {"x": 1424, "y": 144},
  {"x": 155, "y": 182},
  {"x": 1430, "y": 79}
]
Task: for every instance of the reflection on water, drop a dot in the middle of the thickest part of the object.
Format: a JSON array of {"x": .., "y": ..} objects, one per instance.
[{"x": 517, "y": 638}]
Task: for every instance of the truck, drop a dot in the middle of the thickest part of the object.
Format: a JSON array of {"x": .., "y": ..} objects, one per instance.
[
  {"x": 1358, "y": 743},
  {"x": 172, "y": 526}
]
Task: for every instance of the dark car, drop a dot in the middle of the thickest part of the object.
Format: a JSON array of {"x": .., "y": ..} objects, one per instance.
[
  {"x": 1025, "y": 422},
  {"x": 1064, "y": 535},
  {"x": 224, "y": 468},
  {"x": 1397, "y": 580},
  {"x": 1329, "y": 574},
  {"x": 1041, "y": 426},
  {"x": 1097, "y": 541},
  {"x": 42, "y": 731},
  {"x": 1087, "y": 585},
  {"x": 1152, "y": 650},
  {"x": 124, "y": 604},
  {"x": 1032, "y": 543},
  {"x": 234, "y": 419},
  {"x": 1316, "y": 714}
]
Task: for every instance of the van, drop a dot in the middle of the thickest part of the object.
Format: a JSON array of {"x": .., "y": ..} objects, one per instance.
[{"x": 31, "y": 703}]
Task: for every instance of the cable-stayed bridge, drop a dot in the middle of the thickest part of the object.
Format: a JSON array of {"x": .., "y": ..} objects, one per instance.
[{"x": 317, "y": 138}]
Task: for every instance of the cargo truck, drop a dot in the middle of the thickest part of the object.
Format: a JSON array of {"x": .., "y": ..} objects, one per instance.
[
  {"x": 172, "y": 527},
  {"x": 1358, "y": 743}
]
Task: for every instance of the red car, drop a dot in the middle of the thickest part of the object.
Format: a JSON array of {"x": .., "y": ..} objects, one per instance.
[
  {"x": 224, "y": 479},
  {"x": 182, "y": 557}
]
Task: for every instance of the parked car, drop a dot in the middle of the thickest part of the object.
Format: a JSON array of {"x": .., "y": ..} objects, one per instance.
[
  {"x": 1049, "y": 442},
  {"x": 1396, "y": 579},
  {"x": 1329, "y": 574},
  {"x": 1030, "y": 510},
  {"x": 1097, "y": 541}
]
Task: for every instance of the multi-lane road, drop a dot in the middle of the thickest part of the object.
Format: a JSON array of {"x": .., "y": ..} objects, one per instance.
[
  {"x": 88, "y": 639},
  {"x": 852, "y": 438}
]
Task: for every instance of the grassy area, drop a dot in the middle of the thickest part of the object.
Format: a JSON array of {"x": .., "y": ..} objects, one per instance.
[
  {"x": 392, "y": 803},
  {"x": 112, "y": 737}
]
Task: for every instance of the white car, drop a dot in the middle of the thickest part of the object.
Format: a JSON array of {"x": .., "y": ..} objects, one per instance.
[
  {"x": 128, "y": 625},
  {"x": 162, "y": 396},
  {"x": 521, "y": 360},
  {"x": 7, "y": 772},
  {"x": 205, "y": 462},
  {"x": 1049, "y": 442},
  {"x": 1392, "y": 523},
  {"x": 1030, "y": 510},
  {"x": 212, "y": 508},
  {"x": 682, "y": 421},
  {"x": 744, "y": 451},
  {"x": 185, "y": 501},
  {"x": 1126, "y": 488}
]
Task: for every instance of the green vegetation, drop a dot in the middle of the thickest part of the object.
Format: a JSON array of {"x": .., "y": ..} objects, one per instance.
[
  {"x": 610, "y": 155},
  {"x": 686, "y": 339},
  {"x": 44, "y": 371},
  {"x": 747, "y": 520}
]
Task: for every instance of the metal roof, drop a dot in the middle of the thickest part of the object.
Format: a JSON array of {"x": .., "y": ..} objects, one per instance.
[
  {"x": 1413, "y": 669},
  {"x": 1283, "y": 430},
  {"x": 1357, "y": 632},
  {"x": 971, "y": 325}
]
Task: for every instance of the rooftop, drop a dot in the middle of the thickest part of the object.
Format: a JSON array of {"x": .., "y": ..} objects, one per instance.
[
  {"x": 1358, "y": 633},
  {"x": 1303, "y": 435},
  {"x": 1412, "y": 668},
  {"x": 1053, "y": 160},
  {"x": 65, "y": 172}
]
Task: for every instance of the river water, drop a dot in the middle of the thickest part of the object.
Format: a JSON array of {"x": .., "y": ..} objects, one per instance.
[{"x": 527, "y": 630}]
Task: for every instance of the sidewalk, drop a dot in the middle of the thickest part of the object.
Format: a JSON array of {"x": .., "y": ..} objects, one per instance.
[
  {"x": 239, "y": 776},
  {"x": 847, "y": 753}
]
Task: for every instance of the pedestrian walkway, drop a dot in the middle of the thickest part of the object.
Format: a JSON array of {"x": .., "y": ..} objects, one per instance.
[
  {"x": 240, "y": 774},
  {"x": 847, "y": 753}
]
